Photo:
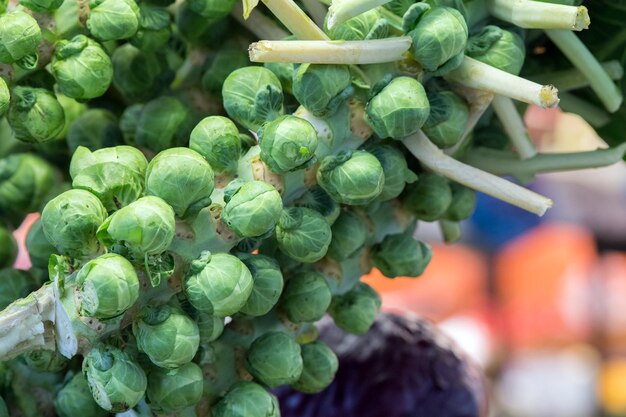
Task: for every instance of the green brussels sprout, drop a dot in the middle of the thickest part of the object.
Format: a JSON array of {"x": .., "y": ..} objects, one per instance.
[
  {"x": 397, "y": 173},
  {"x": 145, "y": 227},
  {"x": 164, "y": 123},
  {"x": 349, "y": 236},
  {"x": 166, "y": 335},
  {"x": 274, "y": 359},
  {"x": 463, "y": 203},
  {"x": 218, "y": 284},
  {"x": 216, "y": 138},
  {"x": 14, "y": 284},
  {"x": 321, "y": 89},
  {"x": 220, "y": 64},
  {"x": 38, "y": 246},
  {"x": 214, "y": 10},
  {"x": 317, "y": 199},
  {"x": 284, "y": 71},
  {"x": 181, "y": 177},
  {"x": 252, "y": 96},
  {"x": 448, "y": 118},
  {"x": 128, "y": 122},
  {"x": 154, "y": 30},
  {"x": 252, "y": 209},
  {"x": 499, "y": 48},
  {"x": 197, "y": 29},
  {"x": 439, "y": 36},
  {"x": 8, "y": 248},
  {"x": 399, "y": 7},
  {"x": 45, "y": 360},
  {"x": 287, "y": 143},
  {"x": 172, "y": 390},
  {"x": 267, "y": 286},
  {"x": 401, "y": 255},
  {"x": 111, "y": 20},
  {"x": 368, "y": 25},
  {"x": 303, "y": 234},
  {"x": 4, "y": 412},
  {"x": 108, "y": 286},
  {"x": 209, "y": 327},
  {"x": 70, "y": 222},
  {"x": 114, "y": 175},
  {"x": 429, "y": 197},
  {"x": 356, "y": 310},
  {"x": 42, "y": 6},
  {"x": 320, "y": 366},
  {"x": 306, "y": 297},
  {"x": 19, "y": 38},
  {"x": 72, "y": 110},
  {"x": 5, "y": 97},
  {"x": 75, "y": 399},
  {"x": 400, "y": 109},
  {"x": 83, "y": 69},
  {"x": 139, "y": 74},
  {"x": 35, "y": 115},
  {"x": 247, "y": 399},
  {"x": 354, "y": 178},
  {"x": 116, "y": 382}
]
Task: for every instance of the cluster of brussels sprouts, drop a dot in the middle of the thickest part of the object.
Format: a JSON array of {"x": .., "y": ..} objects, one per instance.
[{"x": 200, "y": 213}]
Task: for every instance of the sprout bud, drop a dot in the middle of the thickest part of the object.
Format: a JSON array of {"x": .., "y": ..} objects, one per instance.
[
  {"x": 267, "y": 287},
  {"x": 320, "y": 366},
  {"x": 35, "y": 115},
  {"x": 303, "y": 234},
  {"x": 429, "y": 197},
  {"x": 321, "y": 89},
  {"x": 274, "y": 359},
  {"x": 216, "y": 138},
  {"x": 111, "y": 20},
  {"x": 306, "y": 297},
  {"x": 252, "y": 209},
  {"x": 75, "y": 399},
  {"x": 247, "y": 399},
  {"x": 173, "y": 390},
  {"x": 355, "y": 311},
  {"x": 287, "y": 143}
]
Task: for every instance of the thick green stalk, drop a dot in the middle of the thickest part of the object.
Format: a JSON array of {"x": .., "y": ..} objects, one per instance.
[
  {"x": 514, "y": 126},
  {"x": 538, "y": 15}
]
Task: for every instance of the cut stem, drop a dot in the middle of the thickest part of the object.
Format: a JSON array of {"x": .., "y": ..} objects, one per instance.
[
  {"x": 331, "y": 52},
  {"x": 538, "y": 15},
  {"x": 573, "y": 79},
  {"x": 434, "y": 159},
  {"x": 257, "y": 23},
  {"x": 580, "y": 56},
  {"x": 475, "y": 74},
  {"x": 514, "y": 126},
  {"x": 342, "y": 10}
]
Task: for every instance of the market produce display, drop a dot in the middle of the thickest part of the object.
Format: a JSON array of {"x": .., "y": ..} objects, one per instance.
[{"x": 215, "y": 176}]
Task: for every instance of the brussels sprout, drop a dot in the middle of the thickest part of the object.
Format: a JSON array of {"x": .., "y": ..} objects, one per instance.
[
  {"x": 397, "y": 173},
  {"x": 70, "y": 222},
  {"x": 166, "y": 335},
  {"x": 320, "y": 366},
  {"x": 284, "y": 72},
  {"x": 268, "y": 284},
  {"x": 252, "y": 208},
  {"x": 463, "y": 203},
  {"x": 399, "y": 109},
  {"x": 354, "y": 178},
  {"x": 8, "y": 248},
  {"x": 35, "y": 115},
  {"x": 287, "y": 143},
  {"x": 317, "y": 199},
  {"x": 72, "y": 110},
  {"x": 116, "y": 382},
  {"x": 94, "y": 129},
  {"x": 220, "y": 64},
  {"x": 14, "y": 284},
  {"x": 181, "y": 177},
  {"x": 356, "y": 310},
  {"x": 321, "y": 89},
  {"x": 429, "y": 197},
  {"x": 368, "y": 25},
  {"x": 173, "y": 390},
  {"x": 83, "y": 69},
  {"x": 303, "y": 234},
  {"x": 19, "y": 37},
  {"x": 38, "y": 246},
  {"x": 210, "y": 327},
  {"x": 197, "y": 29},
  {"x": 139, "y": 75},
  {"x": 214, "y": 10},
  {"x": 145, "y": 227},
  {"x": 218, "y": 284},
  {"x": 114, "y": 175},
  {"x": 4, "y": 412},
  {"x": 401, "y": 255},
  {"x": 399, "y": 7},
  {"x": 499, "y": 48},
  {"x": 306, "y": 297},
  {"x": 75, "y": 399},
  {"x": 111, "y": 20},
  {"x": 439, "y": 36},
  {"x": 247, "y": 399},
  {"x": 45, "y": 360},
  {"x": 42, "y": 6},
  {"x": 349, "y": 236},
  {"x": 217, "y": 139},
  {"x": 448, "y": 118},
  {"x": 154, "y": 28},
  {"x": 164, "y": 123},
  {"x": 252, "y": 96},
  {"x": 274, "y": 359},
  {"x": 5, "y": 97}
]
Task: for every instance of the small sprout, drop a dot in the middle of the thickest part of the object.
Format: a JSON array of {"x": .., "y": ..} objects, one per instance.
[
  {"x": 306, "y": 297},
  {"x": 139, "y": 74},
  {"x": 166, "y": 335},
  {"x": 349, "y": 236},
  {"x": 38, "y": 246},
  {"x": 94, "y": 129},
  {"x": 463, "y": 203},
  {"x": 319, "y": 368},
  {"x": 220, "y": 64},
  {"x": 499, "y": 48},
  {"x": 399, "y": 7},
  {"x": 70, "y": 222},
  {"x": 368, "y": 25},
  {"x": 274, "y": 359},
  {"x": 397, "y": 173},
  {"x": 321, "y": 89},
  {"x": 5, "y": 97},
  {"x": 45, "y": 360},
  {"x": 287, "y": 143},
  {"x": 35, "y": 115},
  {"x": 210, "y": 327},
  {"x": 401, "y": 255},
  {"x": 154, "y": 30},
  {"x": 217, "y": 139},
  {"x": 111, "y": 20},
  {"x": 82, "y": 69},
  {"x": 14, "y": 284},
  {"x": 8, "y": 248},
  {"x": 164, "y": 123},
  {"x": 449, "y": 115},
  {"x": 252, "y": 208},
  {"x": 173, "y": 390},
  {"x": 116, "y": 382},
  {"x": 19, "y": 37},
  {"x": 356, "y": 310},
  {"x": 429, "y": 197},
  {"x": 284, "y": 72},
  {"x": 354, "y": 178},
  {"x": 247, "y": 399},
  {"x": 213, "y": 10},
  {"x": 108, "y": 286},
  {"x": 267, "y": 287},
  {"x": 303, "y": 234},
  {"x": 75, "y": 399}
]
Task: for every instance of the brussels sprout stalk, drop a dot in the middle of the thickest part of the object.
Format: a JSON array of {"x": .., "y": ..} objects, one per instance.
[
  {"x": 474, "y": 74},
  {"x": 538, "y": 15},
  {"x": 514, "y": 126},
  {"x": 342, "y": 10},
  {"x": 294, "y": 18},
  {"x": 331, "y": 52},
  {"x": 582, "y": 58},
  {"x": 573, "y": 79},
  {"x": 433, "y": 158},
  {"x": 257, "y": 23}
]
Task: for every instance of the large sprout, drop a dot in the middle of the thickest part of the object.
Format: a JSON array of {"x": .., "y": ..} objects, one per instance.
[
  {"x": 306, "y": 297},
  {"x": 75, "y": 399},
  {"x": 210, "y": 327},
  {"x": 319, "y": 368},
  {"x": 172, "y": 390},
  {"x": 350, "y": 232},
  {"x": 397, "y": 173},
  {"x": 163, "y": 123},
  {"x": 139, "y": 75},
  {"x": 317, "y": 199},
  {"x": 463, "y": 203},
  {"x": 213, "y": 10},
  {"x": 356, "y": 310},
  {"x": 499, "y": 48},
  {"x": 303, "y": 234},
  {"x": 321, "y": 89},
  {"x": 252, "y": 208},
  {"x": 44, "y": 360},
  {"x": 268, "y": 284},
  {"x": 94, "y": 129},
  {"x": 368, "y": 25},
  {"x": 401, "y": 255},
  {"x": 154, "y": 28},
  {"x": 247, "y": 399},
  {"x": 274, "y": 359},
  {"x": 113, "y": 19},
  {"x": 216, "y": 138},
  {"x": 8, "y": 248},
  {"x": 449, "y": 115},
  {"x": 19, "y": 37},
  {"x": 287, "y": 143},
  {"x": 429, "y": 197},
  {"x": 35, "y": 115}
]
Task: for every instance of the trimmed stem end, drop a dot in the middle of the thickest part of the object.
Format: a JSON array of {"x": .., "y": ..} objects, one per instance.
[
  {"x": 582, "y": 19},
  {"x": 548, "y": 96}
]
